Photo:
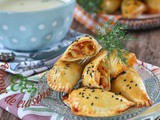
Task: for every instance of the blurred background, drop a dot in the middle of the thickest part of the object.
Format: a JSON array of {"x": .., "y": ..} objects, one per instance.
[
  {"x": 141, "y": 16},
  {"x": 146, "y": 47}
]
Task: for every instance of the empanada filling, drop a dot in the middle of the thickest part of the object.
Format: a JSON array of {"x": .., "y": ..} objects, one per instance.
[
  {"x": 65, "y": 97},
  {"x": 75, "y": 110},
  {"x": 82, "y": 49},
  {"x": 104, "y": 74}
]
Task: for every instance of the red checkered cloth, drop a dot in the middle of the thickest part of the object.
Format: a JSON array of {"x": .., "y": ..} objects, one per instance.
[{"x": 92, "y": 20}]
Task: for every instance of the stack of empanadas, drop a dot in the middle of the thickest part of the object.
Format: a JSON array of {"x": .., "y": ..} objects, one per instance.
[
  {"x": 110, "y": 86},
  {"x": 68, "y": 69}
]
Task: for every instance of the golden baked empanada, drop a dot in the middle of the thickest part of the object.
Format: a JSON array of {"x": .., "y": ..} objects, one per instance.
[
  {"x": 132, "y": 8},
  {"x": 81, "y": 49},
  {"x": 153, "y": 6},
  {"x": 130, "y": 85},
  {"x": 64, "y": 76},
  {"x": 96, "y": 74},
  {"x": 116, "y": 64},
  {"x": 96, "y": 103},
  {"x": 110, "y": 6}
]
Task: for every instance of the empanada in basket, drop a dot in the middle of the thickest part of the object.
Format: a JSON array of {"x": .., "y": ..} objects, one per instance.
[{"x": 132, "y": 8}]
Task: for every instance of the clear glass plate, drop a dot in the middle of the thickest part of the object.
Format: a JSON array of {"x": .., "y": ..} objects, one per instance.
[{"x": 55, "y": 103}]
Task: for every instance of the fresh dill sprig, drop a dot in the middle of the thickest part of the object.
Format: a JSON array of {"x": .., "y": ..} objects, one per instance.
[
  {"x": 112, "y": 36},
  {"x": 92, "y": 6}
]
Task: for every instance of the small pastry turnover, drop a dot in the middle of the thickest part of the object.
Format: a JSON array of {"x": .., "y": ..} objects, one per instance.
[
  {"x": 81, "y": 49},
  {"x": 96, "y": 74},
  {"x": 132, "y": 8},
  {"x": 110, "y": 6},
  {"x": 130, "y": 85},
  {"x": 153, "y": 6},
  {"x": 98, "y": 96},
  {"x": 117, "y": 66},
  {"x": 64, "y": 76},
  {"x": 67, "y": 71},
  {"x": 96, "y": 103}
]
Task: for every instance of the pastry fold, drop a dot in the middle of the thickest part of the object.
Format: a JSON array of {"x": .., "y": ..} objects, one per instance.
[
  {"x": 81, "y": 49},
  {"x": 96, "y": 74},
  {"x": 130, "y": 85},
  {"x": 116, "y": 64},
  {"x": 64, "y": 76},
  {"x": 96, "y": 103}
]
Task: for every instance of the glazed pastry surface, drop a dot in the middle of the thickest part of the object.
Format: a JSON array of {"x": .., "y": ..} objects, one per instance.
[
  {"x": 96, "y": 103},
  {"x": 116, "y": 64},
  {"x": 83, "y": 48},
  {"x": 132, "y": 8},
  {"x": 110, "y": 6},
  {"x": 130, "y": 85},
  {"x": 153, "y": 6},
  {"x": 64, "y": 76},
  {"x": 96, "y": 74}
]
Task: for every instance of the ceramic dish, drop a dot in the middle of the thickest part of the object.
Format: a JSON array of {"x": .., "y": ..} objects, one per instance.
[
  {"x": 55, "y": 103},
  {"x": 34, "y": 30}
]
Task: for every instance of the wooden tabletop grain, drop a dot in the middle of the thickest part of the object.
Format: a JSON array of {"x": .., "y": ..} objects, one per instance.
[{"x": 146, "y": 48}]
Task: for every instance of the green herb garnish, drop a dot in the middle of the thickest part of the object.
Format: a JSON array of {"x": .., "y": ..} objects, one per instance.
[
  {"x": 112, "y": 36},
  {"x": 92, "y": 6}
]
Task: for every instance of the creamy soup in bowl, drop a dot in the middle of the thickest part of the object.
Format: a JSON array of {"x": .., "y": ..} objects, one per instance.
[
  {"x": 31, "y": 25},
  {"x": 29, "y": 5}
]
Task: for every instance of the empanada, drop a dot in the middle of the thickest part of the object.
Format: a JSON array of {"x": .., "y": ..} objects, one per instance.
[
  {"x": 96, "y": 103},
  {"x": 96, "y": 74},
  {"x": 130, "y": 85},
  {"x": 132, "y": 8},
  {"x": 81, "y": 49},
  {"x": 116, "y": 64},
  {"x": 110, "y": 6},
  {"x": 64, "y": 76},
  {"x": 153, "y": 6}
]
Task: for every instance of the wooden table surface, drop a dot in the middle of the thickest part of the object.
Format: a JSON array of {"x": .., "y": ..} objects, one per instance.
[{"x": 146, "y": 48}]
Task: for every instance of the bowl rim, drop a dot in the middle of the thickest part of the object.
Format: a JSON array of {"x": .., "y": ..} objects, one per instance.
[{"x": 39, "y": 11}]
